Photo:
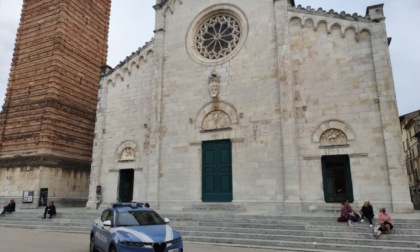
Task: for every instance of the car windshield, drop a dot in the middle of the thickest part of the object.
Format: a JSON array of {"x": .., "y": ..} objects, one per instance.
[{"x": 138, "y": 218}]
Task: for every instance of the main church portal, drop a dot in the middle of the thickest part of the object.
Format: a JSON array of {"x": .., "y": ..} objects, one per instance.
[{"x": 217, "y": 171}]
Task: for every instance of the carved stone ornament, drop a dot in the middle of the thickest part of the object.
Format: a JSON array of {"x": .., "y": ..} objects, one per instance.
[
  {"x": 216, "y": 120},
  {"x": 214, "y": 84},
  {"x": 127, "y": 154},
  {"x": 333, "y": 137}
]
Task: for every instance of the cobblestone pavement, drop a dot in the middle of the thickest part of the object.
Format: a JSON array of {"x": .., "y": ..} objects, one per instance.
[{"x": 29, "y": 240}]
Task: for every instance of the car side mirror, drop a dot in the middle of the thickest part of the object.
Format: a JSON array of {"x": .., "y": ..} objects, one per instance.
[
  {"x": 107, "y": 223},
  {"x": 166, "y": 220}
]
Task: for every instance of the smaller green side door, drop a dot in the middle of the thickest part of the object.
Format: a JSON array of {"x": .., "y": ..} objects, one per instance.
[{"x": 126, "y": 185}]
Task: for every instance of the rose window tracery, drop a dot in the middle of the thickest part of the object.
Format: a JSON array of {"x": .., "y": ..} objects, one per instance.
[{"x": 218, "y": 36}]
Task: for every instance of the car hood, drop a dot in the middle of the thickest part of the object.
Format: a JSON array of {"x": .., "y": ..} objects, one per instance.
[{"x": 151, "y": 233}]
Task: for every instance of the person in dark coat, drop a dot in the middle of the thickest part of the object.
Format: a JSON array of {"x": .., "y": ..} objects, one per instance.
[
  {"x": 49, "y": 209},
  {"x": 367, "y": 211},
  {"x": 9, "y": 208}
]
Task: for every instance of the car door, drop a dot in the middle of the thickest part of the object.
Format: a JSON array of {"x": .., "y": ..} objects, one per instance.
[{"x": 103, "y": 233}]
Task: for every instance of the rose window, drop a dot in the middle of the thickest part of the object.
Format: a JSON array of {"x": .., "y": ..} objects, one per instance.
[{"x": 218, "y": 37}]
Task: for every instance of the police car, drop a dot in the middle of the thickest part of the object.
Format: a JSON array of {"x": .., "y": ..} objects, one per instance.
[{"x": 127, "y": 227}]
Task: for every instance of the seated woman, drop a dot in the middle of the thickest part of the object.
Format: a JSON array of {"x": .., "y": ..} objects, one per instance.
[
  {"x": 50, "y": 209},
  {"x": 348, "y": 213},
  {"x": 9, "y": 208},
  {"x": 367, "y": 211},
  {"x": 386, "y": 223}
]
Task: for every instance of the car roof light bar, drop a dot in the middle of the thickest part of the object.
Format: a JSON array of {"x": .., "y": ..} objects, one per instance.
[{"x": 129, "y": 204}]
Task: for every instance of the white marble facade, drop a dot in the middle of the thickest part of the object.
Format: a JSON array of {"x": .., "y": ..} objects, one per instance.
[{"x": 286, "y": 85}]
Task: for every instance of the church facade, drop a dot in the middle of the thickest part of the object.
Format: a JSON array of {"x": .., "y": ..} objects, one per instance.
[{"x": 255, "y": 104}]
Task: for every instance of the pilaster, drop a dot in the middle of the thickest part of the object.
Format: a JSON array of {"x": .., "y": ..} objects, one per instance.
[
  {"x": 291, "y": 173},
  {"x": 400, "y": 196}
]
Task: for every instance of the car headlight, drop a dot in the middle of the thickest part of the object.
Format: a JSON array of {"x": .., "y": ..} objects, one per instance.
[{"x": 175, "y": 241}]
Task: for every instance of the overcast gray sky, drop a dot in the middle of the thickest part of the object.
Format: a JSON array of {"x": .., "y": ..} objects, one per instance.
[{"x": 132, "y": 24}]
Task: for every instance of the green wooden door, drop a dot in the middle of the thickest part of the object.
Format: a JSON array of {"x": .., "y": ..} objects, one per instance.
[
  {"x": 217, "y": 171},
  {"x": 337, "y": 178},
  {"x": 125, "y": 192}
]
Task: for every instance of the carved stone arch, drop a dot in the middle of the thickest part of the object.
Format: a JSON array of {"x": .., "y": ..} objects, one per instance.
[
  {"x": 297, "y": 20},
  {"x": 365, "y": 30},
  {"x": 335, "y": 25},
  {"x": 310, "y": 22},
  {"x": 133, "y": 64},
  {"x": 110, "y": 82},
  {"x": 330, "y": 126},
  {"x": 150, "y": 54},
  {"x": 351, "y": 30},
  {"x": 364, "y": 35},
  {"x": 142, "y": 60},
  {"x": 220, "y": 109},
  {"x": 127, "y": 71},
  {"x": 126, "y": 151},
  {"x": 322, "y": 22},
  {"x": 351, "y": 27},
  {"x": 117, "y": 77}
]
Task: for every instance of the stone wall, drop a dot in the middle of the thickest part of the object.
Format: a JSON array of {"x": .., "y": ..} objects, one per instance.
[{"x": 65, "y": 186}]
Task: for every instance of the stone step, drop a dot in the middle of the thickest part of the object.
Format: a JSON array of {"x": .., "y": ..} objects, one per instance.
[
  {"x": 368, "y": 239},
  {"x": 295, "y": 233},
  {"x": 298, "y": 233},
  {"x": 260, "y": 219},
  {"x": 297, "y": 245},
  {"x": 216, "y": 207}
]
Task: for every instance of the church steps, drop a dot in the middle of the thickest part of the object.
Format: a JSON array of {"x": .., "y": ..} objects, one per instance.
[
  {"x": 297, "y": 245},
  {"x": 292, "y": 233},
  {"x": 361, "y": 234},
  {"x": 366, "y": 240}
]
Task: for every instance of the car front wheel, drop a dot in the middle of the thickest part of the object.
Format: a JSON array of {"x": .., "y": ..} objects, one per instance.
[
  {"x": 112, "y": 249},
  {"x": 92, "y": 244}
]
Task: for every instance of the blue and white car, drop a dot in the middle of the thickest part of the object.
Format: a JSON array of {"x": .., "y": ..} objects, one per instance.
[{"x": 128, "y": 227}]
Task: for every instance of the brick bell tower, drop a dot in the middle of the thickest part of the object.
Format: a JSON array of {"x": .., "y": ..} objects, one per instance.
[{"x": 47, "y": 120}]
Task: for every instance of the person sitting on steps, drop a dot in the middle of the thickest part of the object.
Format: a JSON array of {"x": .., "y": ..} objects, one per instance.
[
  {"x": 49, "y": 209},
  {"x": 9, "y": 208},
  {"x": 386, "y": 223},
  {"x": 367, "y": 211},
  {"x": 348, "y": 213}
]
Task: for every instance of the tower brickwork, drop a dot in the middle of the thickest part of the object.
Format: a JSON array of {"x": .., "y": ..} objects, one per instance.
[{"x": 47, "y": 120}]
